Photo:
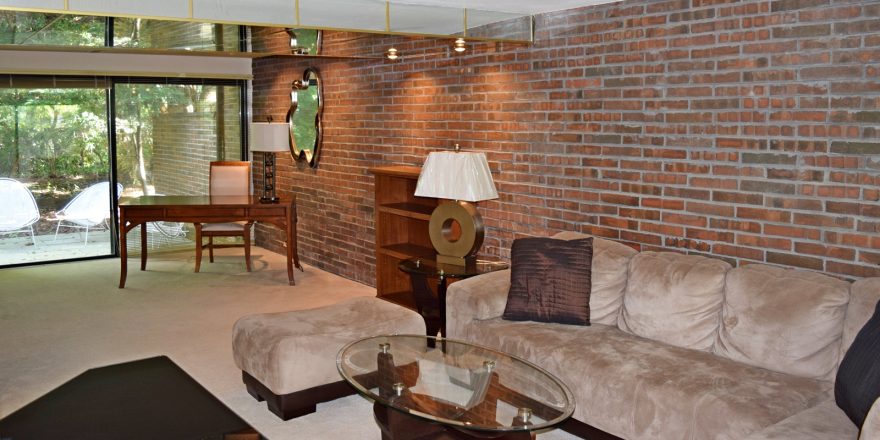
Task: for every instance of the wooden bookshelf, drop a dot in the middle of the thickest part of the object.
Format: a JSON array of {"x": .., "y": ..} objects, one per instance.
[{"x": 401, "y": 230}]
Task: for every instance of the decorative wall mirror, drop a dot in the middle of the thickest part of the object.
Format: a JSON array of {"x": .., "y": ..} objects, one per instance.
[
  {"x": 304, "y": 117},
  {"x": 304, "y": 41}
]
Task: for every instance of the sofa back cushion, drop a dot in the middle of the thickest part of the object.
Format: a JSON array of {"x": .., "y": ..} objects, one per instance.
[
  {"x": 784, "y": 320},
  {"x": 863, "y": 297},
  {"x": 674, "y": 298},
  {"x": 610, "y": 261}
]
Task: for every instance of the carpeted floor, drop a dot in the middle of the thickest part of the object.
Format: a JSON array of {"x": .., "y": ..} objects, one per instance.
[{"x": 56, "y": 321}]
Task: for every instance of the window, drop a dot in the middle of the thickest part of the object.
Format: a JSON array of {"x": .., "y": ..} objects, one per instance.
[
  {"x": 51, "y": 29},
  {"x": 56, "y": 143},
  {"x": 158, "y": 34}
]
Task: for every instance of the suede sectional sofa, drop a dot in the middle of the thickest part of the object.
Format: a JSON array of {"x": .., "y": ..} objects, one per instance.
[{"x": 687, "y": 347}]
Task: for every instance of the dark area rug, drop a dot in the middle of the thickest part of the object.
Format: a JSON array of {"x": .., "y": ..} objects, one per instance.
[{"x": 145, "y": 399}]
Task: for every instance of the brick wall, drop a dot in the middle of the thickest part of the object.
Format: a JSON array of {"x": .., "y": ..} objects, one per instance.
[{"x": 744, "y": 130}]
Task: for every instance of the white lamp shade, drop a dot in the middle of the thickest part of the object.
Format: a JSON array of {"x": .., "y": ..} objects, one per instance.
[
  {"x": 266, "y": 136},
  {"x": 456, "y": 176}
]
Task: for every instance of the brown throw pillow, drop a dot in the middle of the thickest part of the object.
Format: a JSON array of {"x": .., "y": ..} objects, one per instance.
[{"x": 550, "y": 281}]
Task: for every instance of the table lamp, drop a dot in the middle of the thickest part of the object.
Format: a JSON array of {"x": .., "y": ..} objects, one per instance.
[
  {"x": 269, "y": 138},
  {"x": 464, "y": 178}
]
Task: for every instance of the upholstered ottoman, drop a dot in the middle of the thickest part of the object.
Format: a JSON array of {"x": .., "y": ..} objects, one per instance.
[{"x": 289, "y": 358}]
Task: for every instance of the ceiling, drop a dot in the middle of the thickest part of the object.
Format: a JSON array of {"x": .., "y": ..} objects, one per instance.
[
  {"x": 516, "y": 6},
  {"x": 499, "y": 20}
]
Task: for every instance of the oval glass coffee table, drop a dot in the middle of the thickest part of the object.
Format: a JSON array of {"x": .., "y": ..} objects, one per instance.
[{"x": 455, "y": 390}]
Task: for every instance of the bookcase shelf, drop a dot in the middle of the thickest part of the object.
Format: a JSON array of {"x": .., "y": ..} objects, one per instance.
[{"x": 401, "y": 230}]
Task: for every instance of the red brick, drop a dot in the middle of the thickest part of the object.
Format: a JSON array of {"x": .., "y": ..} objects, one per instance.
[
  {"x": 738, "y": 251},
  {"x": 763, "y": 214},
  {"x": 763, "y": 242},
  {"x": 685, "y": 219},
  {"x": 795, "y": 260}
]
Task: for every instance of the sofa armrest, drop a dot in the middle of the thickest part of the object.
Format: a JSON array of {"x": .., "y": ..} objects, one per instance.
[
  {"x": 477, "y": 298},
  {"x": 871, "y": 427}
]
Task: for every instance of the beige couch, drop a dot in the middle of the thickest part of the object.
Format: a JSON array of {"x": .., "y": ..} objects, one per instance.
[{"x": 687, "y": 347}]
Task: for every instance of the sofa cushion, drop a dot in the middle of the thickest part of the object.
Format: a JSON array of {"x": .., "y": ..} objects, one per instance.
[
  {"x": 674, "y": 298},
  {"x": 550, "y": 281},
  {"x": 784, "y": 320},
  {"x": 863, "y": 296},
  {"x": 608, "y": 276},
  {"x": 295, "y": 350},
  {"x": 858, "y": 380},
  {"x": 636, "y": 388},
  {"x": 822, "y": 422},
  {"x": 871, "y": 429}
]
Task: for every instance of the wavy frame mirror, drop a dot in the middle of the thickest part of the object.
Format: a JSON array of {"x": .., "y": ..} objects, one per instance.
[{"x": 304, "y": 117}]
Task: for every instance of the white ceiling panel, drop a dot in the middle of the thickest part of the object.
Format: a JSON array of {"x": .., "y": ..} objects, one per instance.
[
  {"x": 343, "y": 14},
  {"x": 493, "y": 24},
  {"x": 153, "y": 8},
  {"x": 243, "y": 11},
  {"x": 433, "y": 20},
  {"x": 517, "y": 6}
]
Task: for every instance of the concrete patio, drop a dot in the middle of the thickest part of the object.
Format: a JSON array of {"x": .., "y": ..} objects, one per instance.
[{"x": 19, "y": 249}]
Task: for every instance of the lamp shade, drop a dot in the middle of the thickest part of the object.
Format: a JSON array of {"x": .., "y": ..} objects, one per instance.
[
  {"x": 456, "y": 176},
  {"x": 266, "y": 136}
]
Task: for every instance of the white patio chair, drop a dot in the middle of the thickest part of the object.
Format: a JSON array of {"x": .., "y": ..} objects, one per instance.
[
  {"x": 90, "y": 209},
  {"x": 18, "y": 209}
]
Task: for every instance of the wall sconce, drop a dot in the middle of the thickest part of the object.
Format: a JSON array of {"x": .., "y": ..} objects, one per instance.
[
  {"x": 459, "y": 45},
  {"x": 391, "y": 54},
  {"x": 268, "y": 138}
]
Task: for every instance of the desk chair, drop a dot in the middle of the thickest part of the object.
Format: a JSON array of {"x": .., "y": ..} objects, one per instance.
[{"x": 227, "y": 178}]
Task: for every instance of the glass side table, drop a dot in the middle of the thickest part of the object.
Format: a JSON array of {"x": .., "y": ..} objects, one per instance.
[{"x": 431, "y": 307}]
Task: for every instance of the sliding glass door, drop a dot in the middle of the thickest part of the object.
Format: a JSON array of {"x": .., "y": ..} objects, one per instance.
[
  {"x": 70, "y": 147},
  {"x": 55, "y": 190},
  {"x": 166, "y": 136}
]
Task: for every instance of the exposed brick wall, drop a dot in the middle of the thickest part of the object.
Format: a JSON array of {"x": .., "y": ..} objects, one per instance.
[{"x": 745, "y": 130}]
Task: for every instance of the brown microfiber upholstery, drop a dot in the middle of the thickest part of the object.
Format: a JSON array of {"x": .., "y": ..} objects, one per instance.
[
  {"x": 871, "y": 428},
  {"x": 674, "y": 298},
  {"x": 824, "y": 421},
  {"x": 293, "y": 351},
  {"x": 636, "y": 388},
  {"x": 784, "y": 320},
  {"x": 864, "y": 295},
  {"x": 550, "y": 281},
  {"x": 608, "y": 276}
]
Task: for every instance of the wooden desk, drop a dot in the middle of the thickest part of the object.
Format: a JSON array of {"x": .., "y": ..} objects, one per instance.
[{"x": 203, "y": 209}]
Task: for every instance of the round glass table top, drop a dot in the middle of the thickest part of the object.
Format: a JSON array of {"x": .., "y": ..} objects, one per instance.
[
  {"x": 430, "y": 267},
  {"x": 455, "y": 383}
]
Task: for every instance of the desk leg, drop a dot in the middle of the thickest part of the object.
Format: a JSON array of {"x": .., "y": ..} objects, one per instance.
[
  {"x": 291, "y": 244},
  {"x": 144, "y": 246},
  {"x": 123, "y": 249},
  {"x": 295, "y": 245}
]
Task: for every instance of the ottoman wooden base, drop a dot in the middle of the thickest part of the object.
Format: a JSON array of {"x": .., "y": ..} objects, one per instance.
[{"x": 299, "y": 403}]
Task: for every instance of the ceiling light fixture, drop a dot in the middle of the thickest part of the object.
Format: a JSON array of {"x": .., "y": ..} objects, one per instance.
[
  {"x": 459, "y": 45},
  {"x": 391, "y": 53}
]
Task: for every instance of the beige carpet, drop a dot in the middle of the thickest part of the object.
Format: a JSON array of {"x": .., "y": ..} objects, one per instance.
[{"x": 56, "y": 321}]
